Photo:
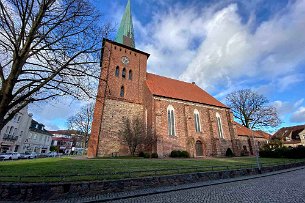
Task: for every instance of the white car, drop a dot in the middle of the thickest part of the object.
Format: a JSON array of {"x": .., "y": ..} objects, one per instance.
[
  {"x": 9, "y": 156},
  {"x": 28, "y": 155}
]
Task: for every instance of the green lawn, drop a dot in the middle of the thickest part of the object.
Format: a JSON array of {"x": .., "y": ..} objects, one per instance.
[{"x": 98, "y": 169}]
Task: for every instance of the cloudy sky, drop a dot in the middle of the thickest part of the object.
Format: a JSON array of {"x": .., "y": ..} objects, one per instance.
[{"x": 221, "y": 45}]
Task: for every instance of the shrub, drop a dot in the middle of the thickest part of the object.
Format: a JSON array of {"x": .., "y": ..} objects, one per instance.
[
  {"x": 179, "y": 154},
  {"x": 284, "y": 152},
  {"x": 184, "y": 154},
  {"x": 154, "y": 155},
  {"x": 174, "y": 153},
  {"x": 229, "y": 153},
  {"x": 141, "y": 154},
  {"x": 146, "y": 155}
]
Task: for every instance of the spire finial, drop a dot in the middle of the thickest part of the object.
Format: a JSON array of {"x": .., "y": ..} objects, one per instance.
[{"x": 125, "y": 34}]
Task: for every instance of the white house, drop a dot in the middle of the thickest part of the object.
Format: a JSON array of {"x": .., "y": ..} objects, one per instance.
[{"x": 14, "y": 133}]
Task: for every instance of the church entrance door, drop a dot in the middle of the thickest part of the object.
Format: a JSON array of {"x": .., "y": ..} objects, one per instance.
[{"x": 198, "y": 146}]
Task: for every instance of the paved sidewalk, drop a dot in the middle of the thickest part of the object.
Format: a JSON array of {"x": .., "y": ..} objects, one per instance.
[{"x": 163, "y": 190}]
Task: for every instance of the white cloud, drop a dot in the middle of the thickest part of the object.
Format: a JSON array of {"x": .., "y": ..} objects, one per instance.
[
  {"x": 231, "y": 50},
  {"x": 291, "y": 110},
  {"x": 54, "y": 114},
  {"x": 299, "y": 115}
]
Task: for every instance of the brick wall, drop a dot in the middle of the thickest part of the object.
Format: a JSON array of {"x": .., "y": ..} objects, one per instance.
[
  {"x": 186, "y": 135},
  {"x": 115, "y": 111}
]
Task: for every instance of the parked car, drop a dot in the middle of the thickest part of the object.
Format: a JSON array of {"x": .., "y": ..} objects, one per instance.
[
  {"x": 9, "y": 156},
  {"x": 24, "y": 155},
  {"x": 52, "y": 154},
  {"x": 28, "y": 155}
]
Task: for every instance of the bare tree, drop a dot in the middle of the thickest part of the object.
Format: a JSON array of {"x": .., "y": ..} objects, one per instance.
[
  {"x": 133, "y": 134},
  {"x": 48, "y": 48},
  {"x": 82, "y": 121},
  {"x": 252, "y": 109}
]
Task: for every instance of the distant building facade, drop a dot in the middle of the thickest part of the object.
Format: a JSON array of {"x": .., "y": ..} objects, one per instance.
[
  {"x": 68, "y": 141},
  {"x": 293, "y": 136},
  {"x": 38, "y": 140},
  {"x": 15, "y": 132}
]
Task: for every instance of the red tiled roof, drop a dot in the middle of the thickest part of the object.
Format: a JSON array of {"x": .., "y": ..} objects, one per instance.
[
  {"x": 175, "y": 89},
  {"x": 264, "y": 134},
  {"x": 244, "y": 131}
]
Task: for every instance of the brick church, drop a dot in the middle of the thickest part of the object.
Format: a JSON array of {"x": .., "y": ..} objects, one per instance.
[{"x": 181, "y": 115}]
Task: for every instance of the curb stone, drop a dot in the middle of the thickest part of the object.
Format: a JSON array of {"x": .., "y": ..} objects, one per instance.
[{"x": 160, "y": 190}]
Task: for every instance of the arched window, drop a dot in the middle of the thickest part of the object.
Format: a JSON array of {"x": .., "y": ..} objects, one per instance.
[
  {"x": 197, "y": 121},
  {"x": 124, "y": 73},
  {"x": 171, "y": 120},
  {"x": 130, "y": 75},
  {"x": 219, "y": 125},
  {"x": 117, "y": 71},
  {"x": 122, "y": 92}
]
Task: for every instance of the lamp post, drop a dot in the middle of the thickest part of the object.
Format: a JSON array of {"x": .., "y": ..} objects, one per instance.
[{"x": 256, "y": 150}]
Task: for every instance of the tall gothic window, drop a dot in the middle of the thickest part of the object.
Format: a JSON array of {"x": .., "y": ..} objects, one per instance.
[
  {"x": 219, "y": 125},
  {"x": 122, "y": 92},
  {"x": 130, "y": 75},
  {"x": 124, "y": 73},
  {"x": 117, "y": 71},
  {"x": 197, "y": 121},
  {"x": 171, "y": 120}
]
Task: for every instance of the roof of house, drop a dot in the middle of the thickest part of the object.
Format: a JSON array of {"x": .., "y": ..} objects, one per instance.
[
  {"x": 64, "y": 132},
  {"x": 244, "y": 131},
  {"x": 176, "y": 89},
  {"x": 62, "y": 139},
  {"x": 38, "y": 127},
  {"x": 264, "y": 134},
  {"x": 287, "y": 131}
]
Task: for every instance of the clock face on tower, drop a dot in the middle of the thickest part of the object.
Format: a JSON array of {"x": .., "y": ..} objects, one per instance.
[{"x": 125, "y": 60}]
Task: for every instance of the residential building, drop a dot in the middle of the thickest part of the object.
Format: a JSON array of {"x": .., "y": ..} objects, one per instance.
[
  {"x": 38, "y": 140},
  {"x": 68, "y": 141},
  {"x": 293, "y": 136},
  {"x": 14, "y": 133}
]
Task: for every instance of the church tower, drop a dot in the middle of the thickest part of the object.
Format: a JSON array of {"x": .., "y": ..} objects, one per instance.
[{"x": 120, "y": 91}]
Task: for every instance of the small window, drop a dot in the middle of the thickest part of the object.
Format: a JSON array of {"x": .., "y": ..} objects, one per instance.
[
  {"x": 124, "y": 73},
  {"x": 122, "y": 92},
  {"x": 130, "y": 75},
  {"x": 11, "y": 130},
  {"x": 117, "y": 71},
  {"x": 7, "y": 129}
]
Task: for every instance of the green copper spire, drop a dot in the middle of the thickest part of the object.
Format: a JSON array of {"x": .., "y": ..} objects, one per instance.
[{"x": 125, "y": 33}]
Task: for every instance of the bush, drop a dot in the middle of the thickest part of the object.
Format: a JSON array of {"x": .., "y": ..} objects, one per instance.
[
  {"x": 229, "y": 153},
  {"x": 284, "y": 152},
  {"x": 141, "y": 154},
  {"x": 184, "y": 154},
  {"x": 179, "y": 154},
  {"x": 154, "y": 155},
  {"x": 146, "y": 155}
]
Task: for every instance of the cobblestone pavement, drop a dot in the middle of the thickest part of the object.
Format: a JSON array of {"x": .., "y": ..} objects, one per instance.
[{"x": 285, "y": 187}]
